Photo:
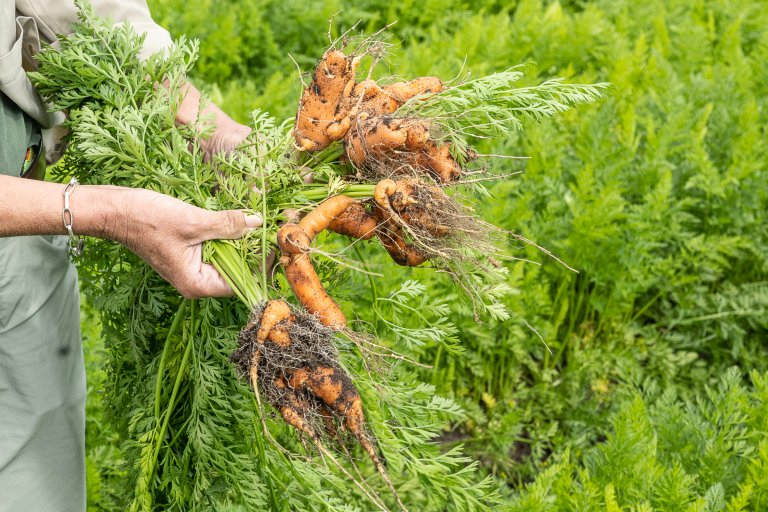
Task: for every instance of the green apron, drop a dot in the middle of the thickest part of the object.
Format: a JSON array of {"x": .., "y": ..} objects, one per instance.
[{"x": 42, "y": 374}]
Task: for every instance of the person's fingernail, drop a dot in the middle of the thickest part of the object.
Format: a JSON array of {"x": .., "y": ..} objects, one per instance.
[
  {"x": 307, "y": 178},
  {"x": 254, "y": 221}
]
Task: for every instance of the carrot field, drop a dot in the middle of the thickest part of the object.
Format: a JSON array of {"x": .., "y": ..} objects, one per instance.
[{"x": 630, "y": 370}]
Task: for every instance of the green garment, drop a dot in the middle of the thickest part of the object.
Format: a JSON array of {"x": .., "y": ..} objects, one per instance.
[{"x": 42, "y": 374}]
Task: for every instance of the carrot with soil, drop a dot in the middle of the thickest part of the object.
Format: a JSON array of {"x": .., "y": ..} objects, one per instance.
[{"x": 291, "y": 359}]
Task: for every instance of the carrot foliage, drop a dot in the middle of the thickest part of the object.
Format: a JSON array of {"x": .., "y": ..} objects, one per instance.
[{"x": 193, "y": 435}]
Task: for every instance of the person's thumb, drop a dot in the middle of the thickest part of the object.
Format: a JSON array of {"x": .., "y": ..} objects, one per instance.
[{"x": 231, "y": 224}]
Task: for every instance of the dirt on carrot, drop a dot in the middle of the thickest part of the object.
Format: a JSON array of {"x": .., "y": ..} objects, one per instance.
[
  {"x": 363, "y": 114},
  {"x": 290, "y": 359}
]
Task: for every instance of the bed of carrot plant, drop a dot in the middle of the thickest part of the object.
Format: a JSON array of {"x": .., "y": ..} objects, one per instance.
[{"x": 637, "y": 381}]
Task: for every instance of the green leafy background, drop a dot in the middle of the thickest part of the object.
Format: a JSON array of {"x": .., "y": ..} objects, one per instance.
[{"x": 638, "y": 383}]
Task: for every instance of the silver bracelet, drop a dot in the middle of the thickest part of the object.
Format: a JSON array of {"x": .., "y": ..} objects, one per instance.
[{"x": 75, "y": 243}]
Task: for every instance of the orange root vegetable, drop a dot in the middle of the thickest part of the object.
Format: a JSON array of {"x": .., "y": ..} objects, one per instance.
[
  {"x": 375, "y": 136},
  {"x": 369, "y": 100},
  {"x": 365, "y": 91},
  {"x": 417, "y": 137},
  {"x": 440, "y": 162},
  {"x": 354, "y": 149},
  {"x": 323, "y": 215},
  {"x": 280, "y": 336},
  {"x": 416, "y": 205},
  {"x": 412, "y": 204},
  {"x": 294, "y": 243},
  {"x": 309, "y": 291},
  {"x": 378, "y": 136},
  {"x": 402, "y": 146},
  {"x": 335, "y": 389},
  {"x": 275, "y": 311},
  {"x": 294, "y": 410},
  {"x": 293, "y": 240},
  {"x": 397, "y": 205},
  {"x": 401, "y": 252},
  {"x": 335, "y": 107},
  {"x": 355, "y": 222},
  {"x": 339, "y": 212},
  {"x": 384, "y": 189},
  {"x": 404, "y": 91},
  {"x": 320, "y": 119},
  {"x": 302, "y": 378}
]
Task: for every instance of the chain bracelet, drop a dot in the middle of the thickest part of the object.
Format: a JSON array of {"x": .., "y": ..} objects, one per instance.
[{"x": 75, "y": 243}]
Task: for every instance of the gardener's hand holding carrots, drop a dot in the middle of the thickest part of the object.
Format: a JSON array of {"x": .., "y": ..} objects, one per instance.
[
  {"x": 198, "y": 279},
  {"x": 169, "y": 234},
  {"x": 166, "y": 232}
]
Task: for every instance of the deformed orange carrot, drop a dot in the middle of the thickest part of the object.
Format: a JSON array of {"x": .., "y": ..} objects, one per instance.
[
  {"x": 320, "y": 119},
  {"x": 305, "y": 283}
]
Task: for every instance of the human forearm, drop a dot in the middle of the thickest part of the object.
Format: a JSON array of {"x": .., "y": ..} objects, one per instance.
[
  {"x": 30, "y": 207},
  {"x": 165, "y": 232}
]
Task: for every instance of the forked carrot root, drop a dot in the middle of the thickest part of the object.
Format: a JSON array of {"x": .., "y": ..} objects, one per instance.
[
  {"x": 364, "y": 115},
  {"x": 395, "y": 206},
  {"x": 291, "y": 358}
]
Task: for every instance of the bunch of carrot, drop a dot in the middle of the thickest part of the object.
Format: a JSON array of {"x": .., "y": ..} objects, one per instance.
[
  {"x": 335, "y": 107},
  {"x": 409, "y": 213}
]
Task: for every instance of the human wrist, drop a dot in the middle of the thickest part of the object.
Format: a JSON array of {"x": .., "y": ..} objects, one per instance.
[
  {"x": 101, "y": 211},
  {"x": 31, "y": 207}
]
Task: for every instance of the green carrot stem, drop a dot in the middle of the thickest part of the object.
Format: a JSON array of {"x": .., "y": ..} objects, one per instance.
[
  {"x": 263, "y": 238},
  {"x": 237, "y": 273},
  {"x": 176, "y": 385},
  {"x": 328, "y": 155},
  {"x": 177, "y": 318},
  {"x": 321, "y": 192},
  {"x": 229, "y": 279}
]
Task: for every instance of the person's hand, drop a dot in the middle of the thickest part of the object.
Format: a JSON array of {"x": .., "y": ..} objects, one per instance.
[
  {"x": 168, "y": 234},
  {"x": 225, "y": 133},
  {"x": 225, "y": 138}
]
